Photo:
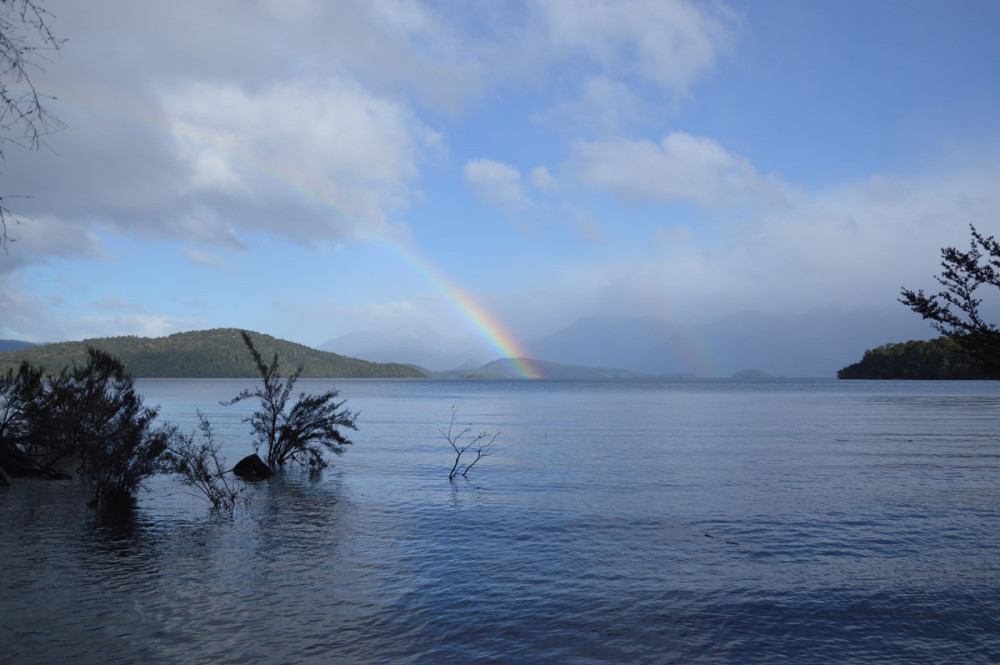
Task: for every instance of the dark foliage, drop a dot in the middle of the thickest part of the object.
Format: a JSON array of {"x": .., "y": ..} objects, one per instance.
[
  {"x": 940, "y": 358},
  {"x": 955, "y": 311},
  {"x": 20, "y": 390},
  {"x": 90, "y": 414},
  {"x": 22, "y": 399},
  {"x": 96, "y": 415},
  {"x": 302, "y": 433}
]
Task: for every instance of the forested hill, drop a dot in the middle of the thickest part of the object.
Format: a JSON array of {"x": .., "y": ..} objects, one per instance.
[
  {"x": 218, "y": 353},
  {"x": 939, "y": 358}
]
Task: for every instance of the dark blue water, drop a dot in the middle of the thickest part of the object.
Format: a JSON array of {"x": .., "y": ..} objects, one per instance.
[{"x": 661, "y": 522}]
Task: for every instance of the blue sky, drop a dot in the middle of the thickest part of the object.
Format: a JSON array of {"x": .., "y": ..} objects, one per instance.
[{"x": 269, "y": 164}]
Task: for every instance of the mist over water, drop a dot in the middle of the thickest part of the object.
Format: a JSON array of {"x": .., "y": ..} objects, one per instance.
[{"x": 643, "y": 522}]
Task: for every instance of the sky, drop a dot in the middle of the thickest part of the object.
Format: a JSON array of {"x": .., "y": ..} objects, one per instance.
[{"x": 491, "y": 171}]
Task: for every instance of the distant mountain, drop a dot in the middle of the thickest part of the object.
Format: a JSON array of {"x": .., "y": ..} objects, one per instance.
[
  {"x": 504, "y": 369},
  {"x": 814, "y": 343},
  {"x": 13, "y": 345},
  {"x": 413, "y": 345},
  {"x": 641, "y": 344},
  {"x": 810, "y": 344},
  {"x": 216, "y": 353}
]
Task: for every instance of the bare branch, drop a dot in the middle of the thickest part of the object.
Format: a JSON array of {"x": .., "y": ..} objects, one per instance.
[
  {"x": 25, "y": 40},
  {"x": 477, "y": 444},
  {"x": 482, "y": 449},
  {"x": 201, "y": 467}
]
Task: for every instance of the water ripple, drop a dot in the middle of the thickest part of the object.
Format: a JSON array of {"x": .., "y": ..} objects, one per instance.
[{"x": 705, "y": 524}]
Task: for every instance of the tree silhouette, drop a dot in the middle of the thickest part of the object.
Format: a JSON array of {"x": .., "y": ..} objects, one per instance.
[
  {"x": 956, "y": 311},
  {"x": 304, "y": 432},
  {"x": 481, "y": 444}
]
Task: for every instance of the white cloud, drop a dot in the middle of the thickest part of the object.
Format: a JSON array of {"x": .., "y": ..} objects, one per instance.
[
  {"x": 23, "y": 317},
  {"x": 207, "y": 259},
  {"x": 675, "y": 238},
  {"x": 854, "y": 245},
  {"x": 584, "y": 225},
  {"x": 138, "y": 324},
  {"x": 543, "y": 180},
  {"x": 604, "y": 107},
  {"x": 192, "y": 140},
  {"x": 681, "y": 168},
  {"x": 668, "y": 42},
  {"x": 36, "y": 238},
  {"x": 26, "y": 317},
  {"x": 498, "y": 184},
  {"x": 333, "y": 157}
]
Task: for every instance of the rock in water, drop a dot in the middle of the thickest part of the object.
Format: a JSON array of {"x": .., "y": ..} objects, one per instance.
[{"x": 252, "y": 467}]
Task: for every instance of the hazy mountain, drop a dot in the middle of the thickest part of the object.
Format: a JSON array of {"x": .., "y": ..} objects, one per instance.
[
  {"x": 644, "y": 344},
  {"x": 410, "y": 345},
  {"x": 816, "y": 343},
  {"x": 811, "y": 344},
  {"x": 13, "y": 345},
  {"x": 503, "y": 369}
]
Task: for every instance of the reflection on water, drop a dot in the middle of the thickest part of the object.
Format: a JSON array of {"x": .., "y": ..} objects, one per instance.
[{"x": 641, "y": 523}]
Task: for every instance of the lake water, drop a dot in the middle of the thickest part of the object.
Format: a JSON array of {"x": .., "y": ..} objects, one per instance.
[{"x": 642, "y": 522}]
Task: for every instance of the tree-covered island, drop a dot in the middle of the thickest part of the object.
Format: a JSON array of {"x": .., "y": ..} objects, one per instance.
[
  {"x": 970, "y": 345},
  {"x": 940, "y": 358}
]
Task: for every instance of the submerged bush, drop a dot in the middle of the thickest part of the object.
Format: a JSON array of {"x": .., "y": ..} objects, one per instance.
[
  {"x": 97, "y": 416},
  {"x": 302, "y": 433},
  {"x": 90, "y": 414},
  {"x": 200, "y": 466}
]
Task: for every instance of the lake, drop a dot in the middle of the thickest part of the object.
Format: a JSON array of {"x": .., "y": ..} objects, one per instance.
[{"x": 708, "y": 521}]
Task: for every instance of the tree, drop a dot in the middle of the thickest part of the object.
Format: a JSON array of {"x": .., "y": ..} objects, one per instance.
[
  {"x": 22, "y": 394},
  {"x": 940, "y": 358},
  {"x": 481, "y": 444},
  {"x": 19, "y": 391},
  {"x": 90, "y": 414},
  {"x": 956, "y": 310},
  {"x": 303, "y": 433},
  {"x": 24, "y": 37},
  {"x": 95, "y": 415}
]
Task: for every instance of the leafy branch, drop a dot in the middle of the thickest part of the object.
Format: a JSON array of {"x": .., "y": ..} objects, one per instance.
[
  {"x": 955, "y": 311},
  {"x": 305, "y": 431}
]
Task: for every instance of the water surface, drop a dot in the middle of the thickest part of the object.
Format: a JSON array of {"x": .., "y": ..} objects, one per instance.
[{"x": 634, "y": 522}]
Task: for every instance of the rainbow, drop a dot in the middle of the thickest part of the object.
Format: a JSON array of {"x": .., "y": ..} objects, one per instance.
[{"x": 486, "y": 326}]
